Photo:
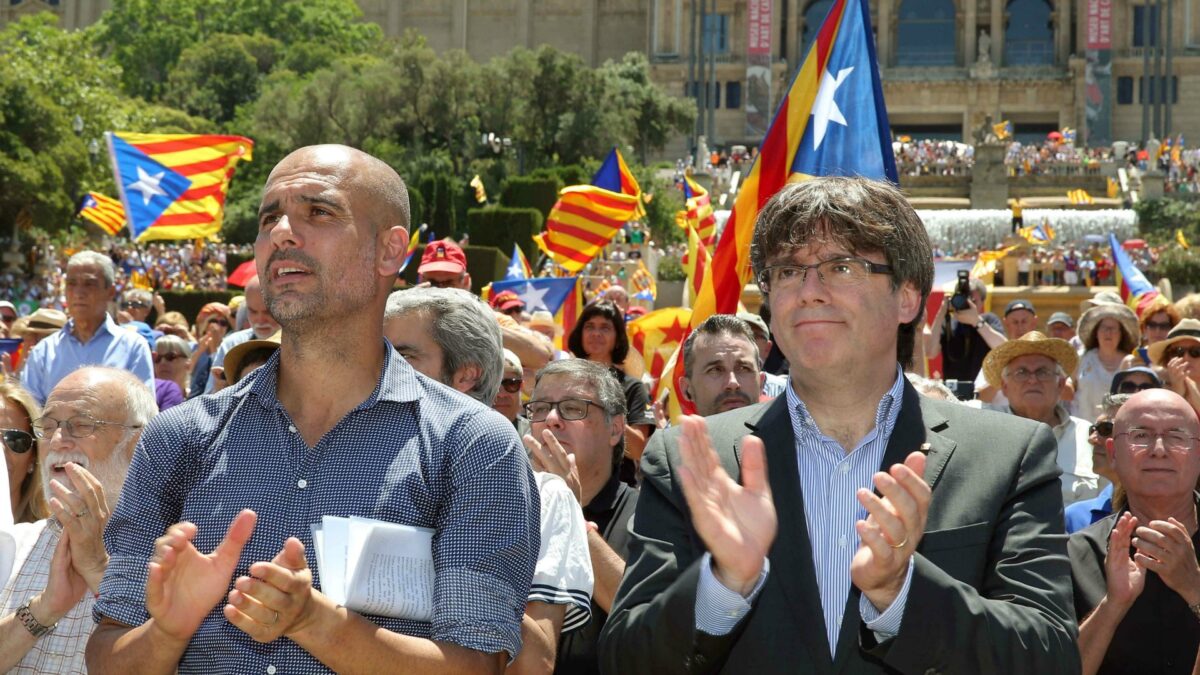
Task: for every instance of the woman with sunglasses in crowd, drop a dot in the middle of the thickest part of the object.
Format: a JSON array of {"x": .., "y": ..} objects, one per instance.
[
  {"x": 212, "y": 324},
  {"x": 1155, "y": 321},
  {"x": 171, "y": 355},
  {"x": 17, "y": 411},
  {"x": 1083, "y": 513},
  {"x": 1179, "y": 356}
]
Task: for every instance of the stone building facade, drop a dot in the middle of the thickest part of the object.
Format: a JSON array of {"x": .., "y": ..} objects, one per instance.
[{"x": 947, "y": 65}]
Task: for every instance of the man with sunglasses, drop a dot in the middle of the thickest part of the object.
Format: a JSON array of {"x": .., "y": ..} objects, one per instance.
[
  {"x": 86, "y": 438},
  {"x": 578, "y": 416},
  {"x": 91, "y": 336},
  {"x": 1085, "y": 512},
  {"x": 1135, "y": 573},
  {"x": 138, "y": 303}
]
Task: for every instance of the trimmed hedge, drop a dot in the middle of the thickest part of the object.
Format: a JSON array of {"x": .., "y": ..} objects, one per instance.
[
  {"x": 484, "y": 263},
  {"x": 527, "y": 192},
  {"x": 570, "y": 174},
  {"x": 499, "y": 227}
]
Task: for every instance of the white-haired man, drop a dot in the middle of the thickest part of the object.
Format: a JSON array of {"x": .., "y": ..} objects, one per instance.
[
  {"x": 91, "y": 337},
  {"x": 87, "y": 434},
  {"x": 262, "y": 326}
]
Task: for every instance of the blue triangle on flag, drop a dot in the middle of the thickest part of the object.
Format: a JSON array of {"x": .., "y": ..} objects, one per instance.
[
  {"x": 148, "y": 187},
  {"x": 608, "y": 176}
]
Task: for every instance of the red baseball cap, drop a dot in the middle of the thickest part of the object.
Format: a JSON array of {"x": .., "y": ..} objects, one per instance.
[
  {"x": 506, "y": 300},
  {"x": 443, "y": 256}
]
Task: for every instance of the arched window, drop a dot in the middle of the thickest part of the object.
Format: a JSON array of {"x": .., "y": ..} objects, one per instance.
[
  {"x": 814, "y": 15},
  {"x": 1029, "y": 35},
  {"x": 926, "y": 33}
]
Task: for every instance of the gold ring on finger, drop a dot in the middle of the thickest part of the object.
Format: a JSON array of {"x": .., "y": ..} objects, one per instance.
[{"x": 901, "y": 544}]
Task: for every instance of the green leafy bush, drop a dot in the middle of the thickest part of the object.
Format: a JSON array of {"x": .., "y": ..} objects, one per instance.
[
  {"x": 530, "y": 193},
  {"x": 669, "y": 269},
  {"x": 499, "y": 226}
]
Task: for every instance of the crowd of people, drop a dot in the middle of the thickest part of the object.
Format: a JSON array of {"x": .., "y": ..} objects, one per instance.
[
  {"x": 34, "y": 273},
  {"x": 176, "y": 483}
]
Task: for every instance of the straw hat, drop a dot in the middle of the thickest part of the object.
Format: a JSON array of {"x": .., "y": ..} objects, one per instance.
[
  {"x": 233, "y": 359},
  {"x": 1188, "y": 329},
  {"x": 43, "y": 322},
  {"x": 1125, "y": 317},
  {"x": 1032, "y": 342}
]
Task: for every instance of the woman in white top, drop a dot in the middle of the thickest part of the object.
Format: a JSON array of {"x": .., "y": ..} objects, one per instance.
[{"x": 1109, "y": 332}]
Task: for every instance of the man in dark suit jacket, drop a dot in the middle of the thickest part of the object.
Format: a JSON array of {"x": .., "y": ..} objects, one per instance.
[{"x": 955, "y": 563}]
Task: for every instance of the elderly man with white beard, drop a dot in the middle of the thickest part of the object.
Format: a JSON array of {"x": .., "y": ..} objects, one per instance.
[{"x": 86, "y": 436}]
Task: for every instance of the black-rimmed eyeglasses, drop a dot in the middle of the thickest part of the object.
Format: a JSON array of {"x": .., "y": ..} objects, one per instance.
[{"x": 569, "y": 409}]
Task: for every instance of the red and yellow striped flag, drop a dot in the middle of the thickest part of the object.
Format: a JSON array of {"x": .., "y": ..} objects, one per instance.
[
  {"x": 698, "y": 212},
  {"x": 586, "y": 217},
  {"x": 582, "y": 222},
  {"x": 173, "y": 186},
  {"x": 106, "y": 212}
]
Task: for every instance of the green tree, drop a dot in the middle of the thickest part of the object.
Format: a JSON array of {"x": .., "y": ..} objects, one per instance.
[
  {"x": 147, "y": 38},
  {"x": 217, "y": 75},
  {"x": 653, "y": 115},
  {"x": 51, "y": 77}
]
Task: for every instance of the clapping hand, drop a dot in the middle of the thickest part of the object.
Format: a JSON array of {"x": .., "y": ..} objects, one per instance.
[
  {"x": 550, "y": 456},
  {"x": 1125, "y": 577},
  {"x": 183, "y": 584},
  {"x": 894, "y": 526},
  {"x": 275, "y": 600},
  {"x": 1165, "y": 548},
  {"x": 736, "y": 522},
  {"x": 83, "y": 512}
]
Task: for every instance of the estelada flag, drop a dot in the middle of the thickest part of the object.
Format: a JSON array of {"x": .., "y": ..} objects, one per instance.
[
  {"x": 657, "y": 334},
  {"x": 106, "y": 212},
  {"x": 173, "y": 186},
  {"x": 698, "y": 212},
  {"x": 585, "y": 217},
  {"x": 831, "y": 123},
  {"x": 1136, "y": 290}
]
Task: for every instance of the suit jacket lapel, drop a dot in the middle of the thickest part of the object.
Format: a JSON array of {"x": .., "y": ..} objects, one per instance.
[{"x": 791, "y": 554}]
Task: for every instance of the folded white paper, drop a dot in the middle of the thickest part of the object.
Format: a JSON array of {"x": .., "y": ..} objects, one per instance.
[{"x": 374, "y": 567}]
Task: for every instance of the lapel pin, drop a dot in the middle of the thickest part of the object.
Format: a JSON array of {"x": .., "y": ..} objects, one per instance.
[{"x": 925, "y": 448}]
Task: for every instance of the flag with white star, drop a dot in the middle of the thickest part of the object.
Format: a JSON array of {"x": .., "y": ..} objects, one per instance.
[
  {"x": 173, "y": 186},
  {"x": 847, "y": 133},
  {"x": 561, "y": 296}
]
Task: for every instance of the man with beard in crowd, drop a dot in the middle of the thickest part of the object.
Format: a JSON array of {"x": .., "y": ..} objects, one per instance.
[
  {"x": 86, "y": 436},
  {"x": 262, "y": 326},
  {"x": 721, "y": 366},
  {"x": 335, "y": 423}
]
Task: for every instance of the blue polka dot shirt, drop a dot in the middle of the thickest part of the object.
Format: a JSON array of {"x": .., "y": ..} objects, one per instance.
[{"x": 415, "y": 452}]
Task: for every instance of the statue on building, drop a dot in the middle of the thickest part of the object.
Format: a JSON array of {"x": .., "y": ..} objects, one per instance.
[
  {"x": 985, "y": 134},
  {"x": 985, "y": 48}
]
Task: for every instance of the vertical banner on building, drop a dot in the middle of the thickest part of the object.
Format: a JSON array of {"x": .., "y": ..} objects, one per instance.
[
  {"x": 1098, "y": 95},
  {"x": 758, "y": 68}
]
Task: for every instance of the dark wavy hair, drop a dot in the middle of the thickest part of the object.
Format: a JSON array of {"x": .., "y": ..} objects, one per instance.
[
  {"x": 859, "y": 215},
  {"x": 611, "y": 312}
]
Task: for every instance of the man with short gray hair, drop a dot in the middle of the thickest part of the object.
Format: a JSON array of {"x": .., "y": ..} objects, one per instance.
[
  {"x": 449, "y": 335},
  {"x": 578, "y": 416},
  {"x": 90, "y": 337}
]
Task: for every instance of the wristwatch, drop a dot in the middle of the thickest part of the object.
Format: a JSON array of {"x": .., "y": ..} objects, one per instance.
[{"x": 31, "y": 624}]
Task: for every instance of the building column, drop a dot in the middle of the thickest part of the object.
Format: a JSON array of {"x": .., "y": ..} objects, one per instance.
[
  {"x": 524, "y": 32},
  {"x": 1062, "y": 33},
  {"x": 794, "y": 57},
  {"x": 884, "y": 30},
  {"x": 395, "y": 22},
  {"x": 970, "y": 31},
  {"x": 997, "y": 32},
  {"x": 458, "y": 25}
]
